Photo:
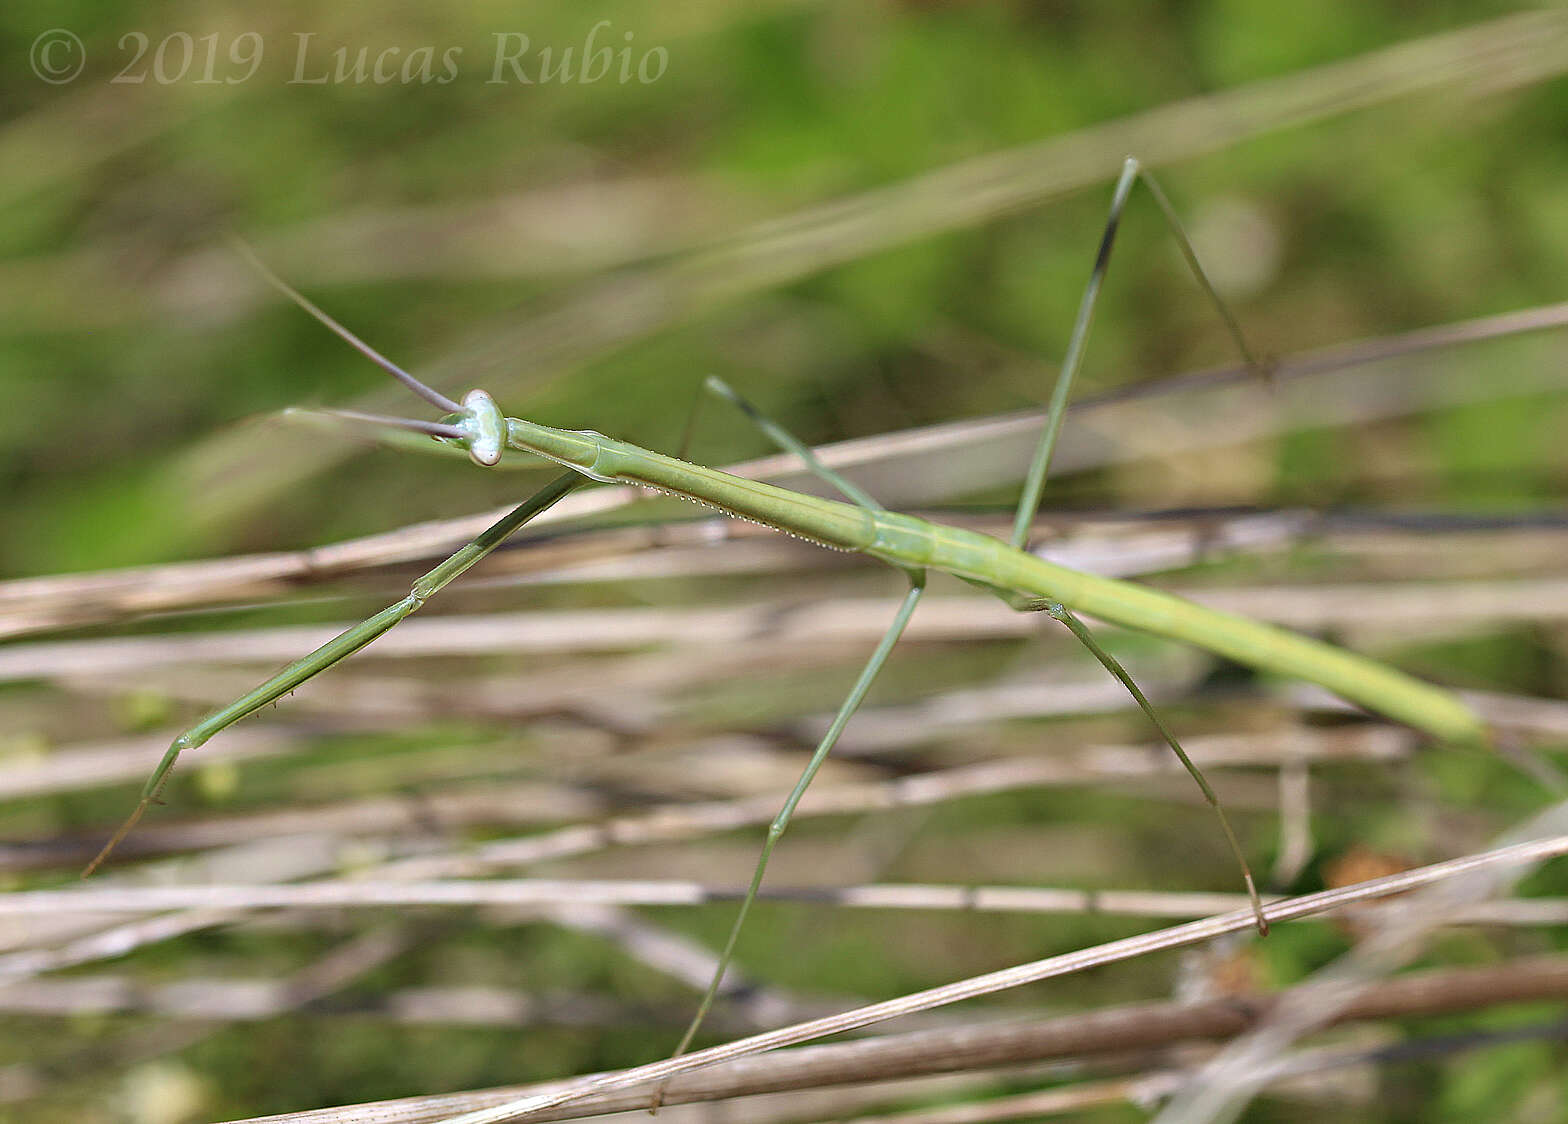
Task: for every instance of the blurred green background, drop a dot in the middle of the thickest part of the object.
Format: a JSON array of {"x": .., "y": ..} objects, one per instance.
[
  {"x": 433, "y": 218},
  {"x": 589, "y": 250}
]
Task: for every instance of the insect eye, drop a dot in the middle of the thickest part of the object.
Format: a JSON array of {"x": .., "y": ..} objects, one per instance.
[{"x": 486, "y": 426}]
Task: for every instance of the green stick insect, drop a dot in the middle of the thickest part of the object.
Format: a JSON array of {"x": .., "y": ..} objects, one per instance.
[{"x": 915, "y": 546}]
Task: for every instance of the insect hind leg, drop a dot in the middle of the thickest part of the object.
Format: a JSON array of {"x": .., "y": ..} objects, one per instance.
[{"x": 1040, "y": 465}]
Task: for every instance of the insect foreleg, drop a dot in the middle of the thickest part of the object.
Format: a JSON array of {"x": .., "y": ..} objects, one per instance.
[{"x": 338, "y": 648}]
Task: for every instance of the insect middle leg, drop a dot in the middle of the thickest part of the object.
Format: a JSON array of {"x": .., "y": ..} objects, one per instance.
[{"x": 846, "y": 710}]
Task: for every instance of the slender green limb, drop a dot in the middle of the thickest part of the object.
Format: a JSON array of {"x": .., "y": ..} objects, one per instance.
[
  {"x": 690, "y": 430},
  {"x": 776, "y": 829},
  {"x": 1262, "y": 367},
  {"x": 338, "y": 648},
  {"x": 1113, "y": 665},
  {"x": 1040, "y": 465},
  {"x": 791, "y": 444},
  {"x": 786, "y": 441}
]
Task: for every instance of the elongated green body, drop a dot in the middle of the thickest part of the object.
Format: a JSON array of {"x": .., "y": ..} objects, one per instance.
[{"x": 908, "y": 541}]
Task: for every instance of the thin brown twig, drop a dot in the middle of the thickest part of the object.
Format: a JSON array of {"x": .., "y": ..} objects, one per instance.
[
  {"x": 598, "y": 893},
  {"x": 1220, "y": 1090},
  {"x": 1405, "y": 609},
  {"x": 989, "y": 1045},
  {"x": 1194, "y": 932}
]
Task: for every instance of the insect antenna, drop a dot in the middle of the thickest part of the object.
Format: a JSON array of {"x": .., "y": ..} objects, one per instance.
[
  {"x": 429, "y": 394},
  {"x": 417, "y": 425}
]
